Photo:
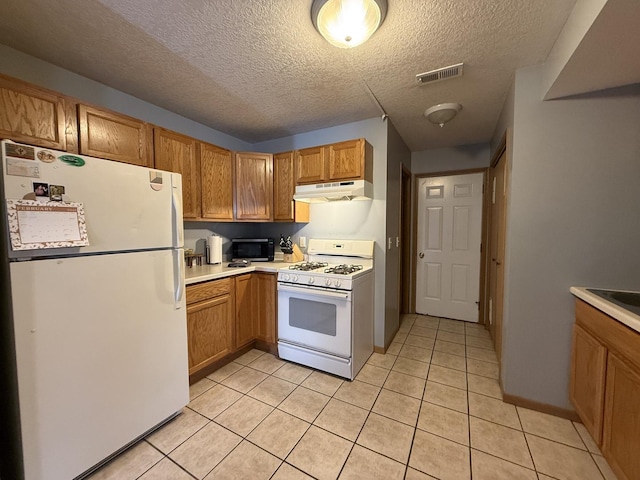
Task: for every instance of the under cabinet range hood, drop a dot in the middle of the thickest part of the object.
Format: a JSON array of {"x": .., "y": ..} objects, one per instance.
[{"x": 334, "y": 191}]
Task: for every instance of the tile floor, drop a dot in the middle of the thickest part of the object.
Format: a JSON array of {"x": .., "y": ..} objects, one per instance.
[{"x": 429, "y": 408}]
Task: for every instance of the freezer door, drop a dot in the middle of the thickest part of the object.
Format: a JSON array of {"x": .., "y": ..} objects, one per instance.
[
  {"x": 101, "y": 352},
  {"x": 127, "y": 207}
]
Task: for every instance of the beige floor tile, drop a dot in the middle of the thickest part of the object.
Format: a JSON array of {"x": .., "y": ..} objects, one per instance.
[
  {"x": 279, "y": 433},
  {"x": 439, "y": 457},
  {"x": 373, "y": 375},
  {"x": 550, "y": 427},
  {"x": 400, "y": 337},
  {"x": 225, "y": 371},
  {"x": 244, "y": 380},
  {"x": 444, "y": 422},
  {"x": 165, "y": 469},
  {"x": 244, "y": 415},
  {"x": 451, "y": 326},
  {"x": 493, "y": 410},
  {"x": 212, "y": 402},
  {"x": 130, "y": 464},
  {"x": 383, "y": 361},
  {"x": 405, "y": 384},
  {"x": 249, "y": 357},
  {"x": 447, "y": 376},
  {"x": 484, "y": 369},
  {"x": 418, "y": 341},
  {"x": 449, "y": 347},
  {"x": 394, "y": 348},
  {"x": 586, "y": 438},
  {"x": 399, "y": 407},
  {"x": 481, "y": 354},
  {"x": 450, "y": 337},
  {"x": 404, "y": 328},
  {"x": 267, "y": 363},
  {"x": 542, "y": 476},
  {"x": 480, "y": 333},
  {"x": 500, "y": 441},
  {"x": 365, "y": 464},
  {"x": 323, "y": 383},
  {"x": 427, "y": 321},
  {"x": 604, "y": 467},
  {"x": 320, "y": 454},
  {"x": 561, "y": 461},
  {"x": 200, "y": 387},
  {"x": 423, "y": 331},
  {"x": 177, "y": 430},
  {"x": 304, "y": 403},
  {"x": 450, "y": 361},
  {"x": 415, "y": 353},
  {"x": 386, "y": 436},
  {"x": 484, "y": 385},
  {"x": 479, "y": 342},
  {"x": 446, "y": 396},
  {"x": 204, "y": 450},
  {"x": 411, "y": 367},
  {"x": 357, "y": 393},
  {"x": 246, "y": 462},
  {"x": 413, "y": 474},
  {"x": 293, "y": 373},
  {"x": 487, "y": 467},
  {"x": 272, "y": 391},
  {"x": 342, "y": 419},
  {"x": 287, "y": 472}
]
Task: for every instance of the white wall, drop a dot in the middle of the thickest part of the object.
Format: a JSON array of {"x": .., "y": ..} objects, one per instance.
[
  {"x": 573, "y": 219},
  {"x": 464, "y": 157}
]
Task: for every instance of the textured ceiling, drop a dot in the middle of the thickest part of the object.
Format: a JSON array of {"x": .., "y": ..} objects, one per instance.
[{"x": 258, "y": 70}]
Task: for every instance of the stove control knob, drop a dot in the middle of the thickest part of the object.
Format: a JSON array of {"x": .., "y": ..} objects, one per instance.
[
  {"x": 327, "y": 282},
  {"x": 311, "y": 280},
  {"x": 338, "y": 283},
  {"x": 286, "y": 277}
]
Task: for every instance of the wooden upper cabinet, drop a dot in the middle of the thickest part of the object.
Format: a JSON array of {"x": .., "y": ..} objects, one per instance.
[
  {"x": 351, "y": 160},
  {"x": 253, "y": 186},
  {"x": 177, "y": 153},
  {"x": 216, "y": 172},
  {"x": 283, "y": 187},
  {"x": 310, "y": 165},
  {"x": 31, "y": 115},
  {"x": 106, "y": 134}
]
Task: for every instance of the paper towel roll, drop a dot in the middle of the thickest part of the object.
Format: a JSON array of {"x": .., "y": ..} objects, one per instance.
[{"x": 214, "y": 244}]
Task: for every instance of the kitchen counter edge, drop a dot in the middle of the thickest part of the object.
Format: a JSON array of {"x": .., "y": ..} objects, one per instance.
[
  {"x": 620, "y": 314},
  {"x": 204, "y": 273}
]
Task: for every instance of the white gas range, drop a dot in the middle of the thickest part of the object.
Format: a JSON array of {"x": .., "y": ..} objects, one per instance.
[{"x": 325, "y": 307}]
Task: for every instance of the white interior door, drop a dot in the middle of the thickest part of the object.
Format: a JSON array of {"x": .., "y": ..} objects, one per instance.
[{"x": 449, "y": 236}]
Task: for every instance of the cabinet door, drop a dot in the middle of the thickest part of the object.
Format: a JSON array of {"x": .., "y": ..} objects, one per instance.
[
  {"x": 310, "y": 166},
  {"x": 177, "y": 153},
  {"x": 209, "y": 331},
  {"x": 346, "y": 160},
  {"x": 117, "y": 137},
  {"x": 31, "y": 115},
  {"x": 588, "y": 369},
  {"x": 254, "y": 186},
  {"x": 216, "y": 172},
  {"x": 620, "y": 440},
  {"x": 283, "y": 187},
  {"x": 266, "y": 307},
  {"x": 246, "y": 320}
]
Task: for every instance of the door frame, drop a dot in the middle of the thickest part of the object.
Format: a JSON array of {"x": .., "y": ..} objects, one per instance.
[
  {"x": 404, "y": 272},
  {"x": 414, "y": 227}
]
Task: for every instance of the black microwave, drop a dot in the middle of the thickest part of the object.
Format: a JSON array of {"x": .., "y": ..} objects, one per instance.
[{"x": 254, "y": 249}]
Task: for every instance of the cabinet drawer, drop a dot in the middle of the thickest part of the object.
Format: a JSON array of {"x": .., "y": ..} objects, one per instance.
[{"x": 205, "y": 290}]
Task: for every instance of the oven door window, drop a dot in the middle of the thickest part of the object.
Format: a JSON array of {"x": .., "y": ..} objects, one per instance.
[{"x": 313, "y": 316}]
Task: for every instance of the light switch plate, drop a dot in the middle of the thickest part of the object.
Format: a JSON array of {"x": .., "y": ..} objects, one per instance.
[{"x": 303, "y": 242}]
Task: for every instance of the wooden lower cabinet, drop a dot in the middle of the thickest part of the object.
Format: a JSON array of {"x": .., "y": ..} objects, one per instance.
[
  {"x": 246, "y": 321},
  {"x": 266, "y": 307},
  {"x": 210, "y": 323},
  {"x": 605, "y": 386}
]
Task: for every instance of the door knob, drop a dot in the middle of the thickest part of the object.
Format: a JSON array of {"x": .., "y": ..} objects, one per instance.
[{"x": 421, "y": 255}]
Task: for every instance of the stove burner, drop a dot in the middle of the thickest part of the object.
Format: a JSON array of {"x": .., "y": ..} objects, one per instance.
[
  {"x": 343, "y": 269},
  {"x": 307, "y": 266}
]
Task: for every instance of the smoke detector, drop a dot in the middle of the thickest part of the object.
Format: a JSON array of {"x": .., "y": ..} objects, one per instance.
[{"x": 440, "y": 74}]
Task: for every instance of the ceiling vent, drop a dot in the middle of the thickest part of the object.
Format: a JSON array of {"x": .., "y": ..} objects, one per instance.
[{"x": 440, "y": 74}]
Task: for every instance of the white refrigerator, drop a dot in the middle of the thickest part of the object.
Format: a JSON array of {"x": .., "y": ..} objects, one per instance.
[{"x": 100, "y": 330}]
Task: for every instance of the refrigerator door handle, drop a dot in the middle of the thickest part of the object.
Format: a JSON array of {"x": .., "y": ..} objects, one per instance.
[
  {"x": 176, "y": 205},
  {"x": 178, "y": 277}
]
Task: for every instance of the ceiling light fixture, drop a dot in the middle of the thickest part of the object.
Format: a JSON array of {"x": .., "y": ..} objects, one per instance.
[
  {"x": 347, "y": 23},
  {"x": 442, "y": 113}
]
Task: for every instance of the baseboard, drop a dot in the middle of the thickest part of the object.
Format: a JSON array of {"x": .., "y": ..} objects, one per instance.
[
  {"x": 541, "y": 407},
  {"x": 377, "y": 349}
]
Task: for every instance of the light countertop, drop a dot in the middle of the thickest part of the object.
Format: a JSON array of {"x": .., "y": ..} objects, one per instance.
[
  {"x": 621, "y": 314},
  {"x": 203, "y": 273}
]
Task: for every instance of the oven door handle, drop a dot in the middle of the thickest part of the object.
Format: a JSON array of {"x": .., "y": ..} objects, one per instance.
[{"x": 317, "y": 292}]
